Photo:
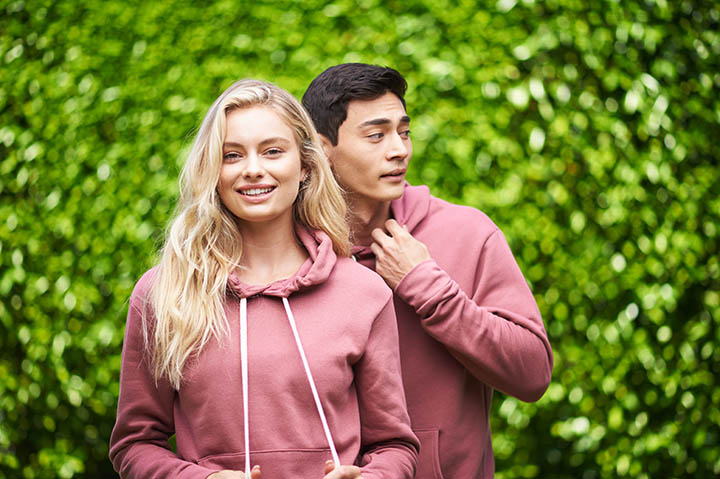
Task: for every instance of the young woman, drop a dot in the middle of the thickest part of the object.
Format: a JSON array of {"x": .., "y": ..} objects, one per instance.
[{"x": 257, "y": 341}]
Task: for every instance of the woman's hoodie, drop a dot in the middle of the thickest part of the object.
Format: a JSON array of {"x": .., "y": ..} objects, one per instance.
[
  {"x": 468, "y": 324},
  {"x": 347, "y": 331}
]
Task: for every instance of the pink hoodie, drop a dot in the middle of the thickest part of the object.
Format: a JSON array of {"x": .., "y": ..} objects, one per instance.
[
  {"x": 348, "y": 332},
  {"x": 468, "y": 324}
]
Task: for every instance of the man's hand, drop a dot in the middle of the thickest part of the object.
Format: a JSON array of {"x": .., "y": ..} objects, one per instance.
[
  {"x": 228, "y": 474},
  {"x": 342, "y": 472},
  {"x": 396, "y": 252}
]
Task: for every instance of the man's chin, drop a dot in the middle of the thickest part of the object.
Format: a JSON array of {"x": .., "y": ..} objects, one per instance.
[{"x": 391, "y": 192}]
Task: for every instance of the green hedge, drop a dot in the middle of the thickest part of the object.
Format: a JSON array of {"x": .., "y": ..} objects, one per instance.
[{"x": 587, "y": 130}]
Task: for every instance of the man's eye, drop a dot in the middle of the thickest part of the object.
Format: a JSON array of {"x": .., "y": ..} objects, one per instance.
[
  {"x": 405, "y": 134},
  {"x": 376, "y": 136}
]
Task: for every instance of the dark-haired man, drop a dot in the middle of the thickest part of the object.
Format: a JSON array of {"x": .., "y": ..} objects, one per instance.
[{"x": 468, "y": 322}]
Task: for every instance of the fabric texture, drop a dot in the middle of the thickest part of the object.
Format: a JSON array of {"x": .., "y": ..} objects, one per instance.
[
  {"x": 345, "y": 319},
  {"x": 468, "y": 325}
]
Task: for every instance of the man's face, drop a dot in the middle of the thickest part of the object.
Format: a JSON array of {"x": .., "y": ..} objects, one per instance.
[{"x": 374, "y": 148}]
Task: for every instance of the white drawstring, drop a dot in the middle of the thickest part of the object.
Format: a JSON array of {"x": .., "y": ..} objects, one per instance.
[
  {"x": 246, "y": 394},
  {"x": 318, "y": 404},
  {"x": 244, "y": 372}
]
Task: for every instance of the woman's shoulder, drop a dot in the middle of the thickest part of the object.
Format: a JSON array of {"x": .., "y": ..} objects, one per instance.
[
  {"x": 356, "y": 276},
  {"x": 141, "y": 291}
]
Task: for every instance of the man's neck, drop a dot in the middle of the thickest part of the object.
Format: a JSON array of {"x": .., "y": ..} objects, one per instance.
[{"x": 365, "y": 216}]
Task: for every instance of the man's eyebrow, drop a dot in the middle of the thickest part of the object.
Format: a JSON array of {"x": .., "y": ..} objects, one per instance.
[{"x": 382, "y": 121}]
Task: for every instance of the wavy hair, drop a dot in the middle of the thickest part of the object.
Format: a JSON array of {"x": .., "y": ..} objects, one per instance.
[{"x": 203, "y": 245}]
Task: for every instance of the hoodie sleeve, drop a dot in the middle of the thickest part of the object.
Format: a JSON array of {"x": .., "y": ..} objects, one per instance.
[
  {"x": 497, "y": 332},
  {"x": 139, "y": 442},
  {"x": 389, "y": 447}
]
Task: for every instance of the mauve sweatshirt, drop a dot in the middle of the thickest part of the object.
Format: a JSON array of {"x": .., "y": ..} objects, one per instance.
[
  {"x": 348, "y": 331},
  {"x": 468, "y": 324}
]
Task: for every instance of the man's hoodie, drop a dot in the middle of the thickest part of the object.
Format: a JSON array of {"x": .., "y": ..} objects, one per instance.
[
  {"x": 468, "y": 324},
  {"x": 346, "y": 328}
]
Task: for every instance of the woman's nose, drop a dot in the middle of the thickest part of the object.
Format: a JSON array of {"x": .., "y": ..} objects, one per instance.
[{"x": 253, "y": 166}]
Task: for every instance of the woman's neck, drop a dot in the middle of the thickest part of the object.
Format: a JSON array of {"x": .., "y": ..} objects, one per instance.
[{"x": 271, "y": 252}]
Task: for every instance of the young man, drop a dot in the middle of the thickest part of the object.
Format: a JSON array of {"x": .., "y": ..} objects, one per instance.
[{"x": 468, "y": 322}]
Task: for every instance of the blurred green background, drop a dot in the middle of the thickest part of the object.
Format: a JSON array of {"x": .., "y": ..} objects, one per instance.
[{"x": 588, "y": 131}]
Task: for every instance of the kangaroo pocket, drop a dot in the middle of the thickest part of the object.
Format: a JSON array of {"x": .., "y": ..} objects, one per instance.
[
  {"x": 275, "y": 463},
  {"x": 429, "y": 461}
]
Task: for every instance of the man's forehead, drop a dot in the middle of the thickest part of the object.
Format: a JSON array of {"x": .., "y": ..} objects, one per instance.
[{"x": 386, "y": 108}]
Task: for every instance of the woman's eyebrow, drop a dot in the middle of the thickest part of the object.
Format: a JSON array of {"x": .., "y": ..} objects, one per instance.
[{"x": 276, "y": 139}]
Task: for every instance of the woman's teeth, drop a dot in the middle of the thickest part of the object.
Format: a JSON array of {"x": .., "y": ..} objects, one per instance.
[{"x": 256, "y": 191}]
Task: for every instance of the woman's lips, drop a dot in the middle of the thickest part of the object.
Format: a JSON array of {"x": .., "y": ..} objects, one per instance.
[{"x": 255, "y": 193}]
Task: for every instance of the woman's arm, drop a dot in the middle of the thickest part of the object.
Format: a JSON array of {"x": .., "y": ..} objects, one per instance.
[
  {"x": 139, "y": 443},
  {"x": 389, "y": 447}
]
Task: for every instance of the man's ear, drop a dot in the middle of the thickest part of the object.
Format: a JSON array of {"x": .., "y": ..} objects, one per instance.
[{"x": 327, "y": 146}]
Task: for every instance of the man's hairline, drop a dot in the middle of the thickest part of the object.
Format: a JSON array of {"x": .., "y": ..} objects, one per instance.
[{"x": 347, "y": 107}]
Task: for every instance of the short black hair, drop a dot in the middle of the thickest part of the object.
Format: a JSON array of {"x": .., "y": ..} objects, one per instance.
[{"x": 328, "y": 95}]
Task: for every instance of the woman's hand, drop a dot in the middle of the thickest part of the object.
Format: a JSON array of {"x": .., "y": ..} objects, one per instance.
[
  {"x": 342, "y": 472},
  {"x": 228, "y": 474}
]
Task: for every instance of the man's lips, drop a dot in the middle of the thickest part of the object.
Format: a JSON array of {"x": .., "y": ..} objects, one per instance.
[{"x": 394, "y": 173}]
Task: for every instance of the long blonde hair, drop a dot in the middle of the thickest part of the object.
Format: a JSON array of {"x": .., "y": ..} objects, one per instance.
[{"x": 203, "y": 244}]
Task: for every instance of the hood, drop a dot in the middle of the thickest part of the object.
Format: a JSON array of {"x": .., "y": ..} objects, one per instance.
[
  {"x": 315, "y": 270},
  {"x": 408, "y": 210},
  {"x": 412, "y": 207}
]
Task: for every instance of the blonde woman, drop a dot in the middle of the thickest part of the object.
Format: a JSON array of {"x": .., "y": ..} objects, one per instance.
[{"x": 257, "y": 341}]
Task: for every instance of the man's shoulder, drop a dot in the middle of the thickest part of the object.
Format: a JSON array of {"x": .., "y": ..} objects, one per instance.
[{"x": 465, "y": 216}]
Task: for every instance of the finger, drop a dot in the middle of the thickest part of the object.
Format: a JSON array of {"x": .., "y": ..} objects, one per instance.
[
  {"x": 394, "y": 228},
  {"x": 345, "y": 472},
  {"x": 329, "y": 466},
  {"x": 380, "y": 237},
  {"x": 377, "y": 250},
  {"x": 255, "y": 472}
]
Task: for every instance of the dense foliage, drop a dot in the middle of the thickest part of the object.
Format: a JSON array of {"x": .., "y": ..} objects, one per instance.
[{"x": 586, "y": 130}]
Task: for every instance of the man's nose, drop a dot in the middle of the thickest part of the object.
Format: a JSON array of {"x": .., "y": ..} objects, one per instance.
[{"x": 398, "y": 147}]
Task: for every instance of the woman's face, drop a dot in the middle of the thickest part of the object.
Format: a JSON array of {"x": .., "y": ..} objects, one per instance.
[{"x": 261, "y": 170}]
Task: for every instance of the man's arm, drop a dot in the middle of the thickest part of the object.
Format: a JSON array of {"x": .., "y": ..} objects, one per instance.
[{"x": 496, "y": 333}]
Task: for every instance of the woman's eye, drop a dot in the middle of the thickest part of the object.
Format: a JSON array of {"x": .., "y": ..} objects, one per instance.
[
  {"x": 232, "y": 156},
  {"x": 273, "y": 152}
]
